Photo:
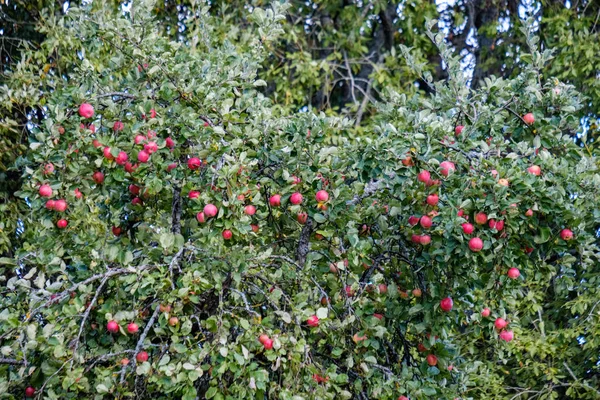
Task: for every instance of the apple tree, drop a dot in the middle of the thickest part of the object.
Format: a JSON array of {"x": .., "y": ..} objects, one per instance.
[{"x": 184, "y": 240}]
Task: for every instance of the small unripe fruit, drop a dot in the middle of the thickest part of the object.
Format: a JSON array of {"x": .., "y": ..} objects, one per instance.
[
  {"x": 432, "y": 360},
  {"x": 426, "y": 222},
  {"x": 45, "y": 191},
  {"x": 513, "y": 273},
  {"x": 433, "y": 199},
  {"x": 296, "y": 198},
  {"x": 500, "y": 323},
  {"x": 210, "y": 210},
  {"x": 194, "y": 163},
  {"x": 61, "y": 130},
  {"x": 480, "y": 218},
  {"x": 467, "y": 228},
  {"x": 566, "y": 234},
  {"x": 132, "y": 328},
  {"x": 322, "y": 196},
  {"x": 446, "y": 304},
  {"x": 424, "y": 176},
  {"x": 173, "y": 321},
  {"x": 275, "y": 200},
  {"x": 124, "y": 361},
  {"x": 98, "y": 177},
  {"x": 475, "y": 244},
  {"x": 313, "y": 321},
  {"x": 112, "y": 326},
  {"x": 485, "y": 312},
  {"x": 141, "y": 357},
  {"x": 507, "y": 336},
  {"x": 62, "y": 223},
  {"x": 529, "y": 118},
  {"x": 86, "y": 110},
  {"x": 302, "y": 218}
]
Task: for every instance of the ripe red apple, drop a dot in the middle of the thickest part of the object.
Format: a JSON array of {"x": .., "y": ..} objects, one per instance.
[
  {"x": 413, "y": 220},
  {"x": 433, "y": 199},
  {"x": 535, "y": 170},
  {"x": 86, "y": 110},
  {"x": 458, "y": 129},
  {"x": 416, "y": 239},
  {"x": 173, "y": 321},
  {"x": 566, "y": 234},
  {"x": 107, "y": 154},
  {"x": 165, "y": 308},
  {"x": 275, "y": 200},
  {"x": 426, "y": 222},
  {"x": 210, "y": 210},
  {"x": 143, "y": 156},
  {"x": 262, "y": 338},
  {"x": 48, "y": 169},
  {"x": 118, "y": 126},
  {"x": 193, "y": 194},
  {"x": 500, "y": 323},
  {"x": 78, "y": 193},
  {"x": 255, "y": 228},
  {"x": 408, "y": 162},
  {"x": 356, "y": 338},
  {"x": 50, "y": 204},
  {"x": 139, "y": 138},
  {"x": 116, "y": 230},
  {"x": 29, "y": 391},
  {"x": 227, "y": 234},
  {"x": 141, "y": 357},
  {"x": 112, "y": 326},
  {"x": 432, "y": 360},
  {"x": 349, "y": 291},
  {"x": 122, "y": 158},
  {"x": 383, "y": 288},
  {"x": 417, "y": 292},
  {"x": 485, "y": 312},
  {"x": 480, "y": 218},
  {"x": 503, "y": 182},
  {"x": 296, "y": 180},
  {"x": 169, "y": 143},
  {"x": 467, "y": 228},
  {"x": 194, "y": 163},
  {"x": 424, "y": 176},
  {"x": 529, "y": 118},
  {"x": 475, "y": 244},
  {"x": 296, "y": 198},
  {"x": 171, "y": 167},
  {"x": 322, "y": 196},
  {"x": 446, "y": 304},
  {"x": 507, "y": 336},
  {"x": 424, "y": 240},
  {"x": 313, "y": 321},
  {"x": 497, "y": 225},
  {"x": 151, "y": 147},
  {"x": 447, "y": 167},
  {"x": 124, "y": 361},
  {"x": 62, "y": 223},
  {"x": 513, "y": 273},
  {"x": 45, "y": 191},
  {"x": 200, "y": 217},
  {"x": 268, "y": 344},
  {"x": 61, "y": 130},
  {"x": 529, "y": 213},
  {"x": 302, "y": 218},
  {"x": 250, "y": 210},
  {"x": 378, "y": 316},
  {"x": 98, "y": 177},
  {"x": 134, "y": 189},
  {"x": 132, "y": 328},
  {"x": 136, "y": 201},
  {"x": 60, "y": 205}
]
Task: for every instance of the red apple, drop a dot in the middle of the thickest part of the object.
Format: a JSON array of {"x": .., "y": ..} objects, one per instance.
[
  {"x": 173, "y": 321},
  {"x": 480, "y": 218},
  {"x": 151, "y": 147},
  {"x": 529, "y": 213},
  {"x": 426, "y": 222},
  {"x": 61, "y": 130},
  {"x": 432, "y": 360},
  {"x": 227, "y": 234},
  {"x": 408, "y": 162},
  {"x": 107, "y": 154},
  {"x": 200, "y": 217},
  {"x": 507, "y": 336},
  {"x": 132, "y": 327},
  {"x": 349, "y": 291},
  {"x": 136, "y": 201},
  {"x": 268, "y": 344},
  {"x": 194, "y": 163},
  {"x": 497, "y": 225},
  {"x": 171, "y": 167},
  {"x": 143, "y": 156},
  {"x": 467, "y": 228},
  {"x": 500, "y": 323},
  {"x": 446, "y": 304},
  {"x": 262, "y": 338},
  {"x": 447, "y": 167},
  {"x": 48, "y": 169},
  {"x": 383, "y": 288},
  {"x": 566, "y": 234},
  {"x": 118, "y": 126},
  {"x": 513, "y": 273},
  {"x": 116, "y": 230},
  {"x": 413, "y": 220},
  {"x": 425, "y": 240},
  {"x": 134, "y": 189},
  {"x": 458, "y": 129},
  {"x": 356, "y": 338},
  {"x": 417, "y": 292},
  {"x": 139, "y": 138},
  {"x": 45, "y": 191},
  {"x": 86, "y": 110},
  {"x": 378, "y": 316},
  {"x": 433, "y": 199},
  {"x": 50, "y": 204},
  {"x": 124, "y": 361},
  {"x": 60, "y": 205},
  {"x": 503, "y": 182},
  {"x": 62, "y": 223},
  {"x": 275, "y": 200},
  {"x": 416, "y": 239},
  {"x": 313, "y": 321},
  {"x": 529, "y": 118},
  {"x": 98, "y": 177},
  {"x": 169, "y": 143},
  {"x": 78, "y": 193},
  {"x": 424, "y": 176},
  {"x": 475, "y": 244},
  {"x": 535, "y": 170},
  {"x": 122, "y": 158},
  {"x": 210, "y": 210},
  {"x": 296, "y": 198},
  {"x": 29, "y": 391},
  {"x": 302, "y": 218},
  {"x": 112, "y": 326},
  {"x": 322, "y": 196},
  {"x": 485, "y": 312},
  {"x": 141, "y": 357},
  {"x": 255, "y": 228},
  {"x": 250, "y": 210}
]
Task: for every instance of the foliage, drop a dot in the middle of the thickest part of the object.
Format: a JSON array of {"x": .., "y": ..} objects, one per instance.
[{"x": 147, "y": 257}]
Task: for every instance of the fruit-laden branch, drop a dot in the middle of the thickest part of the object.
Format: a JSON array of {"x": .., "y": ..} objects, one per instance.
[{"x": 140, "y": 342}]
